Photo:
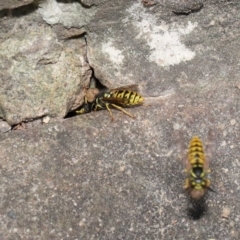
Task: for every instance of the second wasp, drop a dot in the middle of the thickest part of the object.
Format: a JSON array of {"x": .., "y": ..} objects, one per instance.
[{"x": 197, "y": 182}]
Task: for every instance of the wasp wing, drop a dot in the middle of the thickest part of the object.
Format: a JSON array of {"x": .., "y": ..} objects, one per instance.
[
  {"x": 113, "y": 100},
  {"x": 133, "y": 87}
]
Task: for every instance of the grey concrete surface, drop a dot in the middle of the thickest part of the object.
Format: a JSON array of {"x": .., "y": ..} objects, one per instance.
[
  {"x": 87, "y": 177},
  {"x": 90, "y": 178}
]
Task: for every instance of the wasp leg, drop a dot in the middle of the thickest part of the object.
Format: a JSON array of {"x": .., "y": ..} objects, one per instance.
[
  {"x": 121, "y": 109},
  {"x": 85, "y": 108},
  {"x": 81, "y": 111},
  {"x": 109, "y": 110},
  {"x": 208, "y": 183},
  {"x": 187, "y": 184}
]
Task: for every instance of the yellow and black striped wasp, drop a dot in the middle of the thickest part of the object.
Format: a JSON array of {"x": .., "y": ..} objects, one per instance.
[
  {"x": 197, "y": 182},
  {"x": 118, "y": 98}
]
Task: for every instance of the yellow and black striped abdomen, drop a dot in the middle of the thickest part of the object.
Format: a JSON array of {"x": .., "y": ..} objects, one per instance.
[
  {"x": 195, "y": 152},
  {"x": 127, "y": 97},
  {"x": 197, "y": 182}
]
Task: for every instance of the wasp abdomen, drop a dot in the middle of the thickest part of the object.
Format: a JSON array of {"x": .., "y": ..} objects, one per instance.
[
  {"x": 127, "y": 97},
  {"x": 197, "y": 182}
]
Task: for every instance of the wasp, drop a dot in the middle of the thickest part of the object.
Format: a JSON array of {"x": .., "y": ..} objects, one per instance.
[
  {"x": 197, "y": 182},
  {"x": 118, "y": 98}
]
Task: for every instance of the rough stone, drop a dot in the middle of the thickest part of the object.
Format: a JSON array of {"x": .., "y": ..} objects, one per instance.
[
  {"x": 90, "y": 178},
  {"x": 4, "y": 127},
  {"x": 14, "y": 4},
  {"x": 40, "y": 75},
  {"x": 69, "y": 15},
  {"x": 186, "y": 6}
]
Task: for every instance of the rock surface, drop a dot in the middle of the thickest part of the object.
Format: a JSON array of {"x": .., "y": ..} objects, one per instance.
[
  {"x": 89, "y": 178},
  {"x": 41, "y": 74}
]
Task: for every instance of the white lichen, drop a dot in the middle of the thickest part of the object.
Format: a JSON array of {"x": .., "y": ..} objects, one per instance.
[{"x": 164, "y": 41}]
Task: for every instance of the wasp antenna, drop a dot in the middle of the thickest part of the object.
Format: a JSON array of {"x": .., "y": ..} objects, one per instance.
[{"x": 211, "y": 189}]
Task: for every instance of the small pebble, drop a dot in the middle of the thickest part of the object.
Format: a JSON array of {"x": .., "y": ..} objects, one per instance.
[
  {"x": 225, "y": 212},
  {"x": 4, "y": 127},
  {"x": 176, "y": 126},
  {"x": 233, "y": 121},
  {"x": 46, "y": 119}
]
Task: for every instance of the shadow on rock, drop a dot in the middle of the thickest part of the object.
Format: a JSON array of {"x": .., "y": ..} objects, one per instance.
[{"x": 197, "y": 208}]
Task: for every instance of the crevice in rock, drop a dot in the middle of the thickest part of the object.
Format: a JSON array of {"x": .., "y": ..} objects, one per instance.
[
  {"x": 64, "y": 33},
  {"x": 85, "y": 37},
  {"x": 67, "y": 1},
  {"x": 86, "y": 5},
  {"x": 30, "y": 123},
  {"x": 94, "y": 83},
  {"x": 5, "y": 13},
  {"x": 78, "y": 1},
  {"x": 80, "y": 35},
  {"x": 19, "y": 11}
]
